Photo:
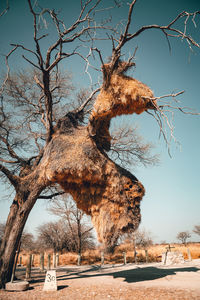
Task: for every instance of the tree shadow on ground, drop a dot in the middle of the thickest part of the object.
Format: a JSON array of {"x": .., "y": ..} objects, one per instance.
[
  {"x": 61, "y": 287},
  {"x": 136, "y": 274},
  {"x": 149, "y": 273},
  {"x": 131, "y": 275}
]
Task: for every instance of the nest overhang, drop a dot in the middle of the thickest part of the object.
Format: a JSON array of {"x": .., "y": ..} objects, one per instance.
[
  {"x": 75, "y": 158},
  {"x": 102, "y": 189}
]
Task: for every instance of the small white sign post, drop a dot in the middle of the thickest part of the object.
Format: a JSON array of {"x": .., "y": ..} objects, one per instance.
[{"x": 50, "y": 281}]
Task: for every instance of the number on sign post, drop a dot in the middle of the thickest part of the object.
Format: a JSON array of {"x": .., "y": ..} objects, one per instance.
[{"x": 50, "y": 281}]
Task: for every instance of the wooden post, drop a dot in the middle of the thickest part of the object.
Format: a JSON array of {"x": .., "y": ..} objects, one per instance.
[
  {"x": 49, "y": 262},
  {"x": 79, "y": 259},
  {"x": 165, "y": 257},
  {"x": 146, "y": 255},
  {"x": 169, "y": 248},
  {"x": 15, "y": 262},
  {"x": 57, "y": 259},
  {"x": 135, "y": 252},
  {"x": 20, "y": 260},
  {"x": 124, "y": 254},
  {"x": 42, "y": 261},
  {"x": 54, "y": 260},
  {"x": 32, "y": 260},
  {"x": 102, "y": 258},
  {"x": 189, "y": 254},
  {"x": 135, "y": 256},
  {"x": 28, "y": 267}
]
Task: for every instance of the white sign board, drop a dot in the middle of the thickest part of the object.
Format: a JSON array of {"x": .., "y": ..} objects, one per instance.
[{"x": 50, "y": 281}]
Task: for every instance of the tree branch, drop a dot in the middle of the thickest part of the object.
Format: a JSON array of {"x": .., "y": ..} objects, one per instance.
[
  {"x": 6, "y": 9},
  {"x": 81, "y": 108},
  {"x": 30, "y": 51},
  {"x": 11, "y": 151},
  {"x": 168, "y": 29},
  {"x": 161, "y": 112},
  {"x": 14, "y": 180},
  {"x": 51, "y": 196},
  {"x": 40, "y": 59}
]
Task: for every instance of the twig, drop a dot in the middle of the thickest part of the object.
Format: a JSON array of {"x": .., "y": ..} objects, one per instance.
[
  {"x": 6, "y": 9},
  {"x": 81, "y": 108}
]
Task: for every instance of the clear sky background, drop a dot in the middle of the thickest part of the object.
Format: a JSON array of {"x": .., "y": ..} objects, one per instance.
[{"x": 172, "y": 200}]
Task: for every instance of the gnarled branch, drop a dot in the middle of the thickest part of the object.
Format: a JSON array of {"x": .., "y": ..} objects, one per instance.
[{"x": 14, "y": 180}]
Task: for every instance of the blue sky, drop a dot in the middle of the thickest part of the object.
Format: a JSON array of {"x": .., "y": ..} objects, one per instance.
[{"x": 171, "y": 203}]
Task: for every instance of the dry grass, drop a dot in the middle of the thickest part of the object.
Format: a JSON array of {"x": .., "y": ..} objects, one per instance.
[
  {"x": 94, "y": 256},
  {"x": 155, "y": 251}
]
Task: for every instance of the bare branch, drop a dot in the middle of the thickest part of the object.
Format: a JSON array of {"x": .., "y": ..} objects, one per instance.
[
  {"x": 30, "y": 62},
  {"x": 168, "y": 29},
  {"x": 168, "y": 95},
  {"x": 38, "y": 82},
  {"x": 14, "y": 180},
  {"x": 35, "y": 36},
  {"x": 71, "y": 29},
  {"x": 6, "y": 9},
  {"x": 128, "y": 148},
  {"x": 123, "y": 37},
  {"x": 8, "y": 68},
  {"x": 10, "y": 150},
  {"x": 81, "y": 108},
  {"x": 26, "y": 49},
  {"x": 161, "y": 112},
  {"x": 9, "y": 161},
  {"x": 51, "y": 196}
]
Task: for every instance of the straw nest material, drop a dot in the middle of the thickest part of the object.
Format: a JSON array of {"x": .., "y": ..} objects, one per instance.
[
  {"x": 124, "y": 95},
  {"x": 108, "y": 193},
  {"x": 75, "y": 159}
]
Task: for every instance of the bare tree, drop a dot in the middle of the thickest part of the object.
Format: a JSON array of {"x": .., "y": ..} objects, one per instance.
[
  {"x": 183, "y": 236},
  {"x": 27, "y": 241},
  {"x": 67, "y": 153},
  {"x": 141, "y": 238},
  {"x": 196, "y": 229},
  {"x": 53, "y": 235},
  {"x": 79, "y": 227}
]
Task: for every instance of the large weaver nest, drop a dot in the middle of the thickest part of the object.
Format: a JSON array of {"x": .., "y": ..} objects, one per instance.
[{"x": 75, "y": 158}]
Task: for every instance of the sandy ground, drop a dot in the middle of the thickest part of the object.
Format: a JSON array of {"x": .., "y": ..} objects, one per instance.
[{"x": 145, "y": 281}]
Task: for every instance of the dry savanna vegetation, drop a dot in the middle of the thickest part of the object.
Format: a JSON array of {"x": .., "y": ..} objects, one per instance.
[{"x": 94, "y": 256}]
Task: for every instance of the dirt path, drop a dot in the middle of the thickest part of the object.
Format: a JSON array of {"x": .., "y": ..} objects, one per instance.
[{"x": 119, "y": 282}]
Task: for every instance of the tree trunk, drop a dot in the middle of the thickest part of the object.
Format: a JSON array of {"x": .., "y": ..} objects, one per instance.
[
  {"x": 14, "y": 227},
  {"x": 9, "y": 245}
]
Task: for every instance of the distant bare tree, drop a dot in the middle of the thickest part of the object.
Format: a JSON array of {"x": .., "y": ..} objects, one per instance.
[
  {"x": 183, "y": 236},
  {"x": 196, "y": 229},
  {"x": 53, "y": 235},
  {"x": 27, "y": 241},
  {"x": 78, "y": 225},
  {"x": 143, "y": 238}
]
